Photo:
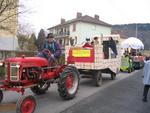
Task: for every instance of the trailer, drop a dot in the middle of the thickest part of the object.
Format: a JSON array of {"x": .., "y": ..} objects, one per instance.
[{"x": 102, "y": 57}]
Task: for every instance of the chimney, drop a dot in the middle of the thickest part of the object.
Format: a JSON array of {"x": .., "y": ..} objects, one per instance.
[
  {"x": 96, "y": 17},
  {"x": 62, "y": 21},
  {"x": 79, "y": 15}
]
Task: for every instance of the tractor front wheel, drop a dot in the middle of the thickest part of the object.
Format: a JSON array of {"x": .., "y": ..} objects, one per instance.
[
  {"x": 68, "y": 83},
  {"x": 97, "y": 78},
  {"x": 1, "y": 96},
  {"x": 41, "y": 88},
  {"x": 26, "y": 104}
]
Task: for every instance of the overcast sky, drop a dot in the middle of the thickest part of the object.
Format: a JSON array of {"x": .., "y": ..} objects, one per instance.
[{"x": 47, "y": 13}]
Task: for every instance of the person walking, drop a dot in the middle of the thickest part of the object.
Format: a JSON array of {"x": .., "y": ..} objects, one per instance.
[{"x": 146, "y": 80}]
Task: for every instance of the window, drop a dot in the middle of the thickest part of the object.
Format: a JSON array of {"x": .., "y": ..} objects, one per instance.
[
  {"x": 60, "y": 41},
  {"x": 71, "y": 41},
  {"x": 67, "y": 41},
  {"x": 74, "y": 27}
]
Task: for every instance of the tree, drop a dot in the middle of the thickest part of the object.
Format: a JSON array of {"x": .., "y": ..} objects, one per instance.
[
  {"x": 6, "y": 6},
  {"x": 31, "y": 43},
  {"x": 25, "y": 32},
  {"x": 41, "y": 39},
  {"x": 22, "y": 41},
  {"x": 9, "y": 12}
]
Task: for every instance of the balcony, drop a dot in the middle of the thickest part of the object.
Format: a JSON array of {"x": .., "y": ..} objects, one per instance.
[{"x": 62, "y": 34}]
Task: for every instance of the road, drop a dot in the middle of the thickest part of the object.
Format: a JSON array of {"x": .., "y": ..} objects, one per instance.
[
  {"x": 124, "y": 96},
  {"x": 52, "y": 103}
]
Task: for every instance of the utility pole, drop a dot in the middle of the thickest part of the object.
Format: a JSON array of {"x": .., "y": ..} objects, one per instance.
[{"x": 136, "y": 30}]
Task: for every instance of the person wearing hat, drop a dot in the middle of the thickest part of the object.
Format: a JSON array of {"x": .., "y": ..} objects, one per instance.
[
  {"x": 87, "y": 44},
  {"x": 51, "y": 50}
]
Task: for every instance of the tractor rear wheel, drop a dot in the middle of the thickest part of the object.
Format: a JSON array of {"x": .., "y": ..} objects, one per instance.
[
  {"x": 97, "y": 78},
  {"x": 68, "y": 83},
  {"x": 41, "y": 88},
  {"x": 1, "y": 96},
  {"x": 26, "y": 104}
]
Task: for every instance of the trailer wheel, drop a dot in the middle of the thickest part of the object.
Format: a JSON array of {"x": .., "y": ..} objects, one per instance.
[
  {"x": 132, "y": 69},
  {"x": 41, "y": 88},
  {"x": 113, "y": 76},
  {"x": 1, "y": 96},
  {"x": 26, "y": 104},
  {"x": 68, "y": 83},
  {"x": 129, "y": 70},
  {"x": 98, "y": 78}
]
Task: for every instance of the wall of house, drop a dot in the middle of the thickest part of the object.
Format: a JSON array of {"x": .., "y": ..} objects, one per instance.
[
  {"x": 8, "y": 30},
  {"x": 87, "y": 30}
]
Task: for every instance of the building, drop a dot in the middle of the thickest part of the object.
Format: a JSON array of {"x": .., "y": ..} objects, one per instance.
[
  {"x": 75, "y": 31},
  {"x": 8, "y": 27}
]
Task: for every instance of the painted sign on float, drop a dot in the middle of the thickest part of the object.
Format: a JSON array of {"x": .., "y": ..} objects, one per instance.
[{"x": 81, "y": 53}]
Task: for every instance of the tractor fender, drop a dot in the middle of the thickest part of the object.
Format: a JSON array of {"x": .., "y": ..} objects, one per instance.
[{"x": 73, "y": 68}]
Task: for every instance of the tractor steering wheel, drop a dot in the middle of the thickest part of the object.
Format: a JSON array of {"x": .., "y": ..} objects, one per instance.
[{"x": 46, "y": 51}]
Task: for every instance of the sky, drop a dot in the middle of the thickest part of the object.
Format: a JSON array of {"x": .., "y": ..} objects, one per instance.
[{"x": 47, "y": 13}]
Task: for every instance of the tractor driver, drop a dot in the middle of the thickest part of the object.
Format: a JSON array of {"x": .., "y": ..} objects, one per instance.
[{"x": 51, "y": 50}]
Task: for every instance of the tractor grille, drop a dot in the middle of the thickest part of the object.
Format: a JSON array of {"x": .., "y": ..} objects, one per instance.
[{"x": 14, "y": 72}]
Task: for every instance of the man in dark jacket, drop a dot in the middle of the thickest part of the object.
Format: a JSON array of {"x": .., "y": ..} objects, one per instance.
[
  {"x": 112, "y": 45},
  {"x": 51, "y": 50}
]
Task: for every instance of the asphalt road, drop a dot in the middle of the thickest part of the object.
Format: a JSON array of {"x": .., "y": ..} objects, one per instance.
[
  {"x": 124, "y": 96},
  {"x": 90, "y": 99}
]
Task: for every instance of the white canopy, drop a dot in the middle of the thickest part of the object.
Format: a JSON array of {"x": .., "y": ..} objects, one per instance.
[{"x": 132, "y": 42}]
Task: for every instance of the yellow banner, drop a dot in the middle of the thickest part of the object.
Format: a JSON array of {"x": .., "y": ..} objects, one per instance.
[{"x": 81, "y": 53}]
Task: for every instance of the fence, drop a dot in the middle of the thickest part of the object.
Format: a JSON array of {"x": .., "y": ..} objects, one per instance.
[{"x": 6, "y": 53}]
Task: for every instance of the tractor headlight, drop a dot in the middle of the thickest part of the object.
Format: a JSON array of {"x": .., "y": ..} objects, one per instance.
[
  {"x": 1, "y": 63},
  {"x": 18, "y": 66}
]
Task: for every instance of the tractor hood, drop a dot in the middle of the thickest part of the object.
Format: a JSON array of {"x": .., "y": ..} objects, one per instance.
[{"x": 28, "y": 61}]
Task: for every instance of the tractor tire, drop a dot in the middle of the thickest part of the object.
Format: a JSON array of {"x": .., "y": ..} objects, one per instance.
[
  {"x": 113, "y": 76},
  {"x": 26, "y": 104},
  {"x": 132, "y": 69},
  {"x": 1, "y": 96},
  {"x": 68, "y": 83},
  {"x": 129, "y": 70},
  {"x": 97, "y": 78},
  {"x": 121, "y": 70},
  {"x": 41, "y": 88}
]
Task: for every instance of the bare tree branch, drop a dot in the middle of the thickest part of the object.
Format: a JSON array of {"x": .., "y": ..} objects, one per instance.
[
  {"x": 1, "y": 3},
  {"x": 9, "y": 12},
  {"x": 6, "y": 6}
]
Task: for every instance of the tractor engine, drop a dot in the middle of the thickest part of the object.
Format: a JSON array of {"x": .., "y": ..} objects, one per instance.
[
  {"x": 19, "y": 69},
  {"x": 32, "y": 73}
]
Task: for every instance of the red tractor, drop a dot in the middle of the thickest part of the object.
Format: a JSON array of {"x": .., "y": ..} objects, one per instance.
[{"x": 35, "y": 73}]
